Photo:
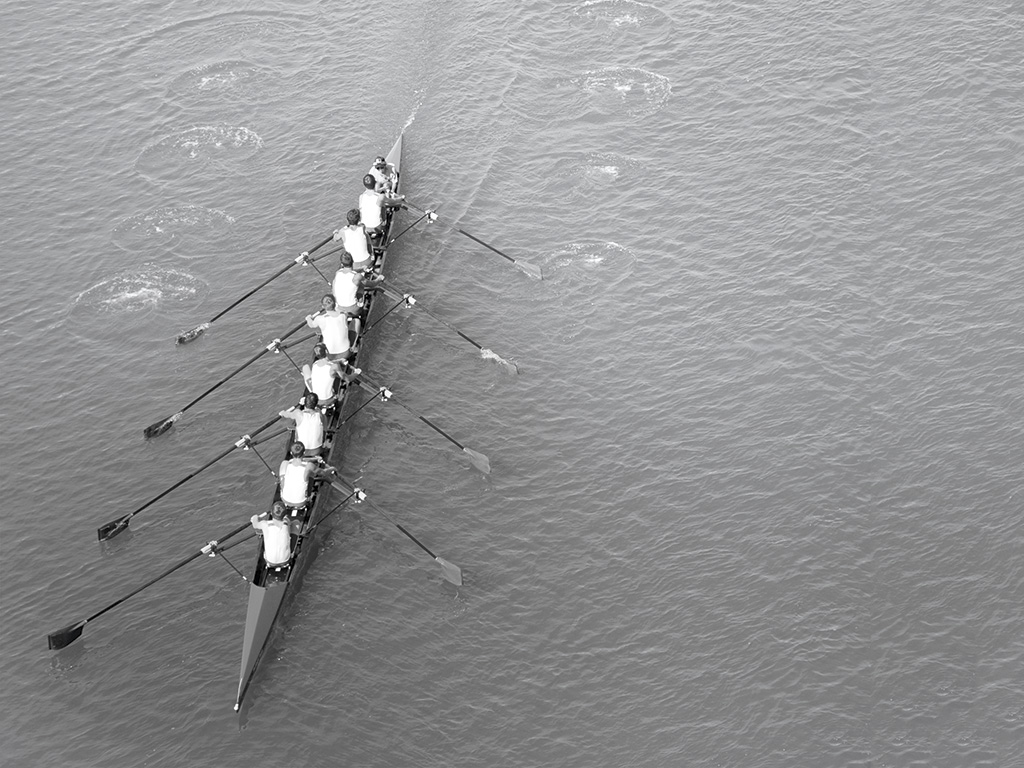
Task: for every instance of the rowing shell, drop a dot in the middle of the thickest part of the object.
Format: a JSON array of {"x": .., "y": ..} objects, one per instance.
[{"x": 270, "y": 589}]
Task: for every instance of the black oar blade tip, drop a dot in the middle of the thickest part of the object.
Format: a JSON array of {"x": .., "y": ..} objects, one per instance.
[
  {"x": 110, "y": 530},
  {"x": 62, "y": 638},
  {"x": 192, "y": 335},
  {"x": 153, "y": 430}
]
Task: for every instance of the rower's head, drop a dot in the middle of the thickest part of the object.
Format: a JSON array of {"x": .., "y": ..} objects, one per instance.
[
  {"x": 328, "y": 302},
  {"x": 380, "y": 163},
  {"x": 297, "y": 449},
  {"x": 311, "y": 401},
  {"x": 346, "y": 261},
  {"x": 369, "y": 182},
  {"x": 319, "y": 351},
  {"x": 352, "y": 216},
  {"x": 277, "y": 511}
]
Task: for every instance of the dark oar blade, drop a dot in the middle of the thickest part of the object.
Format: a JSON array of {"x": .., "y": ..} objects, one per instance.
[
  {"x": 111, "y": 529},
  {"x": 450, "y": 571},
  {"x": 478, "y": 460},
  {"x": 187, "y": 336},
  {"x": 65, "y": 637},
  {"x": 161, "y": 426}
]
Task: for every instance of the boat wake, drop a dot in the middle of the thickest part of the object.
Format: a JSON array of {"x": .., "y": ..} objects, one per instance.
[
  {"x": 201, "y": 145},
  {"x": 168, "y": 225},
  {"x": 139, "y": 290}
]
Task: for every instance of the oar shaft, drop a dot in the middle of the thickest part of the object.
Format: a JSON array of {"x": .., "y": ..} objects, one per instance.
[
  {"x": 69, "y": 634},
  {"x": 242, "y": 367},
  {"x": 369, "y": 386},
  {"x": 269, "y": 280}
]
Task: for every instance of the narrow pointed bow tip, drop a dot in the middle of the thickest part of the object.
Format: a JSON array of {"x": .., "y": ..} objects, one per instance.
[
  {"x": 65, "y": 637},
  {"x": 195, "y": 333},
  {"x": 478, "y": 460}
]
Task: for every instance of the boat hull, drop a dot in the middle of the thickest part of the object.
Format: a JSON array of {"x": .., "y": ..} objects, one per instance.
[{"x": 271, "y": 590}]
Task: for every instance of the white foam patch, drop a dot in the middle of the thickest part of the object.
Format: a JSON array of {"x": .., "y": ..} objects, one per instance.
[
  {"x": 163, "y": 226},
  {"x": 201, "y": 145},
  {"x": 638, "y": 92},
  {"x": 587, "y": 258},
  {"x": 139, "y": 289},
  {"x": 220, "y": 76},
  {"x": 621, "y": 13}
]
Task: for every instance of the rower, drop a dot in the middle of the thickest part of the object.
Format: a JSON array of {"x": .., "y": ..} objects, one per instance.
[
  {"x": 333, "y": 327},
  {"x": 309, "y": 423},
  {"x": 322, "y": 376},
  {"x": 385, "y": 174},
  {"x": 356, "y": 241},
  {"x": 295, "y": 475},
  {"x": 277, "y": 535},
  {"x": 373, "y": 206}
]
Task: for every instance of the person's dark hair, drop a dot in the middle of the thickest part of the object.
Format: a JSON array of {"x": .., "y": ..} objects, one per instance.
[
  {"x": 352, "y": 216},
  {"x": 369, "y": 182},
  {"x": 297, "y": 449},
  {"x": 312, "y": 401}
]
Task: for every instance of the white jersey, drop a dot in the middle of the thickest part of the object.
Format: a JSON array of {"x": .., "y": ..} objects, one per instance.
[
  {"x": 369, "y": 209},
  {"x": 309, "y": 429},
  {"x": 345, "y": 287},
  {"x": 353, "y": 238},
  {"x": 322, "y": 374},
  {"x": 294, "y": 478},
  {"x": 277, "y": 542},
  {"x": 333, "y": 327},
  {"x": 386, "y": 178}
]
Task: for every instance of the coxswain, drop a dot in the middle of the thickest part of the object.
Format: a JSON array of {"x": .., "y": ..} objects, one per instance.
[
  {"x": 333, "y": 328},
  {"x": 309, "y": 423},
  {"x": 295, "y": 474},
  {"x": 373, "y": 206},
  {"x": 322, "y": 376},
  {"x": 356, "y": 241},
  {"x": 277, "y": 535},
  {"x": 385, "y": 174}
]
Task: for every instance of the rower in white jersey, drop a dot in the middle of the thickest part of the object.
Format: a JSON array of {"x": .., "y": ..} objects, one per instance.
[
  {"x": 322, "y": 377},
  {"x": 356, "y": 241},
  {"x": 333, "y": 327},
  {"x": 309, "y": 423},
  {"x": 385, "y": 173},
  {"x": 295, "y": 475},
  {"x": 277, "y": 535},
  {"x": 373, "y": 206}
]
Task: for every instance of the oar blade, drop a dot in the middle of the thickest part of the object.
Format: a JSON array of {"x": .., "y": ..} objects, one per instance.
[
  {"x": 450, "y": 571},
  {"x": 478, "y": 460},
  {"x": 530, "y": 269},
  {"x": 192, "y": 335},
  {"x": 65, "y": 637},
  {"x": 109, "y": 530},
  {"x": 160, "y": 427}
]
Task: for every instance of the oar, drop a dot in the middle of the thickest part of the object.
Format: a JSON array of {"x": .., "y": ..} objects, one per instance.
[
  {"x": 110, "y": 530},
  {"x": 64, "y": 637},
  {"x": 528, "y": 268},
  {"x": 450, "y": 571},
  {"x": 303, "y": 258},
  {"x": 476, "y": 458},
  {"x": 487, "y": 354},
  {"x": 163, "y": 425}
]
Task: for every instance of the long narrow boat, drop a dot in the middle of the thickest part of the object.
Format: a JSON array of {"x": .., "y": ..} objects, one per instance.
[{"x": 271, "y": 589}]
